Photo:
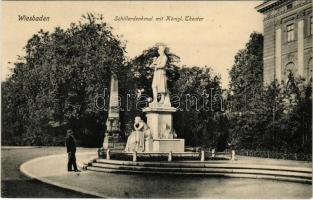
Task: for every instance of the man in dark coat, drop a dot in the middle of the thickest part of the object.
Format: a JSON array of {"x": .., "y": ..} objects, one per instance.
[{"x": 71, "y": 150}]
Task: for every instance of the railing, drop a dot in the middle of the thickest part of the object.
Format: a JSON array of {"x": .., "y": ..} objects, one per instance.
[
  {"x": 275, "y": 155},
  {"x": 162, "y": 156},
  {"x": 211, "y": 154}
]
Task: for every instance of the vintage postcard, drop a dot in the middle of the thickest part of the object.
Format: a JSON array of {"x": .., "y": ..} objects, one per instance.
[{"x": 156, "y": 99}]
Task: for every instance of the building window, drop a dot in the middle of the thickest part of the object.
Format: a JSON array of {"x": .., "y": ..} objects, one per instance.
[
  {"x": 290, "y": 33},
  {"x": 290, "y": 68}
]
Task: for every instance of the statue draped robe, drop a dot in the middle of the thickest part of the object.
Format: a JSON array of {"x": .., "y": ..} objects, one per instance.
[
  {"x": 136, "y": 140},
  {"x": 159, "y": 75}
]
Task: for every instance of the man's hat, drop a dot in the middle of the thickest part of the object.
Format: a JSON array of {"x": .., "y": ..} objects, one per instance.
[{"x": 69, "y": 131}]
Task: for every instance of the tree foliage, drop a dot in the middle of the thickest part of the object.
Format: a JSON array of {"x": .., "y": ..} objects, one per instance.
[
  {"x": 246, "y": 74},
  {"x": 276, "y": 117},
  {"x": 56, "y": 82},
  {"x": 195, "y": 120}
]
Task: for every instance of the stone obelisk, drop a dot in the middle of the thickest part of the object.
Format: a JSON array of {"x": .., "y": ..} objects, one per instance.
[{"x": 112, "y": 134}]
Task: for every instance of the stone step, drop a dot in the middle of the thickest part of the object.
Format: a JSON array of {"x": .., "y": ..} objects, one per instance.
[
  {"x": 208, "y": 164},
  {"x": 238, "y": 174},
  {"x": 217, "y": 170}
]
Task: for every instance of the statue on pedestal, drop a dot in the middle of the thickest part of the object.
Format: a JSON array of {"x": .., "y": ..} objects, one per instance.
[
  {"x": 159, "y": 82},
  {"x": 136, "y": 140},
  {"x": 158, "y": 134}
]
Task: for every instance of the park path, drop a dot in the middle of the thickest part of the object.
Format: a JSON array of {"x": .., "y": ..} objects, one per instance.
[
  {"x": 52, "y": 170},
  {"x": 14, "y": 184}
]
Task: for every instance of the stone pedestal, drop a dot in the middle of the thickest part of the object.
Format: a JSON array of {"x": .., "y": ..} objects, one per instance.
[
  {"x": 157, "y": 118},
  {"x": 149, "y": 145},
  {"x": 168, "y": 145}
]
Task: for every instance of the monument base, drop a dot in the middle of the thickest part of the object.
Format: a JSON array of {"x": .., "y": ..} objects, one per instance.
[
  {"x": 158, "y": 118},
  {"x": 113, "y": 142},
  {"x": 149, "y": 145},
  {"x": 167, "y": 145}
]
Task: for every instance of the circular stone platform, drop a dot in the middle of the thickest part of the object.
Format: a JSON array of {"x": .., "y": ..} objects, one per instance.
[
  {"x": 207, "y": 168},
  {"x": 145, "y": 179}
]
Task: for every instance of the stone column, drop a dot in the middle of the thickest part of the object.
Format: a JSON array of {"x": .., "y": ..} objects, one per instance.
[
  {"x": 213, "y": 153},
  {"x": 170, "y": 155},
  {"x": 233, "y": 154},
  {"x": 135, "y": 156},
  {"x": 114, "y": 100},
  {"x": 278, "y": 68},
  {"x": 112, "y": 135},
  {"x": 108, "y": 154},
  {"x": 202, "y": 156},
  {"x": 300, "y": 44}
]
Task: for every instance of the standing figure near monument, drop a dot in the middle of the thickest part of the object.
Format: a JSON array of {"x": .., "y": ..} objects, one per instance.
[
  {"x": 136, "y": 140},
  {"x": 159, "y": 82},
  {"x": 71, "y": 150}
]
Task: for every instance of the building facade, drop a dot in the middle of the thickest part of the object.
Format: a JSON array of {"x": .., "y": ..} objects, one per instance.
[{"x": 288, "y": 27}]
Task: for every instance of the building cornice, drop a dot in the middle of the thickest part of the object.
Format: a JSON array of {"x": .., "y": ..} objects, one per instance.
[
  {"x": 280, "y": 11},
  {"x": 267, "y": 5}
]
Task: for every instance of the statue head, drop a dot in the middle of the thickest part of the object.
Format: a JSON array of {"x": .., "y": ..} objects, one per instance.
[
  {"x": 137, "y": 119},
  {"x": 161, "y": 49}
]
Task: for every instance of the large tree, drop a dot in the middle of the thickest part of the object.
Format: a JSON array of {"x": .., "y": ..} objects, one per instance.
[
  {"x": 280, "y": 120},
  {"x": 246, "y": 75},
  {"x": 271, "y": 117},
  {"x": 198, "y": 100},
  {"x": 54, "y": 85}
]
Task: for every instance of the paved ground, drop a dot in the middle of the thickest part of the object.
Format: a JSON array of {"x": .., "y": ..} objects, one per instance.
[
  {"x": 15, "y": 184},
  {"x": 53, "y": 169},
  {"x": 278, "y": 162}
]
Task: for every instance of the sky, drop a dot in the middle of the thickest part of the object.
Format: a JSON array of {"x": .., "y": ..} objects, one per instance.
[{"x": 212, "y": 42}]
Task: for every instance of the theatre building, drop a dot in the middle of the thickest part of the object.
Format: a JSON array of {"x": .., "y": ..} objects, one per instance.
[{"x": 288, "y": 27}]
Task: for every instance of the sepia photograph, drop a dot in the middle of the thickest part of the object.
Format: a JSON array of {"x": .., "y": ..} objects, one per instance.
[{"x": 156, "y": 99}]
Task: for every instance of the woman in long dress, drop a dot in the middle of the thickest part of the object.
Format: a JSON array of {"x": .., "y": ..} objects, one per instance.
[{"x": 136, "y": 140}]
